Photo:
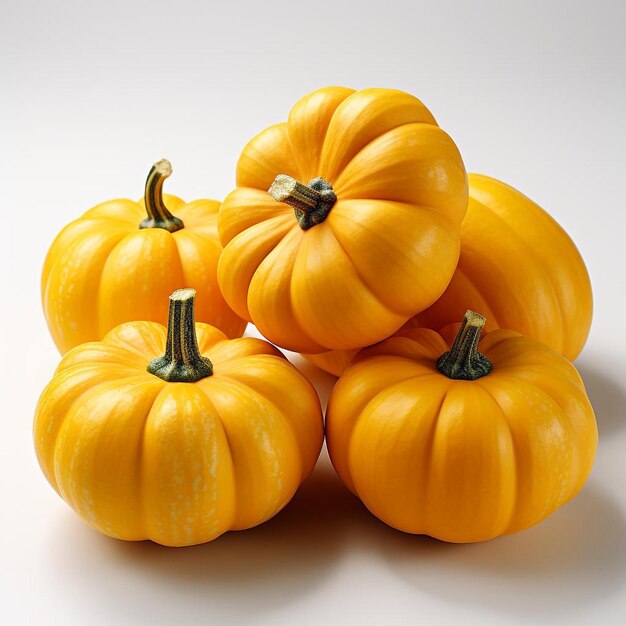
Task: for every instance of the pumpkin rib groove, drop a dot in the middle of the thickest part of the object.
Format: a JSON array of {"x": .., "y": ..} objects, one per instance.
[
  {"x": 365, "y": 407},
  {"x": 279, "y": 237},
  {"x": 512, "y": 234},
  {"x": 333, "y": 227},
  {"x": 267, "y": 262},
  {"x": 265, "y": 402},
  {"x": 281, "y": 361},
  {"x": 140, "y": 465},
  {"x": 365, "y": 147},
  {"x": 364, "y": 282},
  {"x": 95, "y": 389},
  {"x": 278, "y": 411},
  {"x": 325, "y": 150},
  {"x": 301, "y": 325},
  {"x": 515, "y": 453},
  {"x": 51, "y": 465},
  {"x": 339, "y": 183},
  {"x": 115, "y": 242},
  {"x": 430, "y": 447},
  {"x": 571, "y": 434},
  {"x": 92, "y": 223},
  {"x": 268, "y": 222},
  {"x": 566, "y": 428},
  {"x": 96, "y": 311},
  {"x": 204, "y": 391}
]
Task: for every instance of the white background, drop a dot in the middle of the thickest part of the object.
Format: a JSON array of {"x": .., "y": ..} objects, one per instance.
[{"x": 91, "y": 94}]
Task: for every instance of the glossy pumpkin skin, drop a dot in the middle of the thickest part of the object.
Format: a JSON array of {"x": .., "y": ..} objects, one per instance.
[
  {"x": 461, "y": 461},
  {"x": 387, "y": 248},
  {"x": 103, "y": 270},
  {"x": 178, "y": 463},
  {"x": 520, "y": 269},
  {"x": 518, "y": 266}
]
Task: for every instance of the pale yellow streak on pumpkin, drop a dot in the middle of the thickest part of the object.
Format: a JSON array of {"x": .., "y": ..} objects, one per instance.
[
  {"x": 264, "y": 449},
  {"x": 128, "y": 289},
  {"x": 98, "y": 451},
  {"x": 59, "y": 396},
  {"x": 265, "y": 373},
  {"x": 73, "y": 281},
  {"x": 99, "y": 263},
  {"x": 187, "y": 473}
]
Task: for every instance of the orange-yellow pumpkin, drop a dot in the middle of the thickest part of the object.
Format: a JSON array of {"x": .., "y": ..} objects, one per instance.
[
  {"x": 215, "y": 435},
  {"x": 359, "y": 230},
  {"x": 518, "y": 266},
  {"x": 121, "y": 260},
  {"x": 437, "y": 438}
]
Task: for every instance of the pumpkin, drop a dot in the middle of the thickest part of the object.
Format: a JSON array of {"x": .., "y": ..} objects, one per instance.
[
  {"x": 155, "y": 434},
  {"x": 345, "y": 220},
  {"x": 440, "y": 439},
  {"x": 121, "y": 259},
  {"x": 518, "y": 266}
]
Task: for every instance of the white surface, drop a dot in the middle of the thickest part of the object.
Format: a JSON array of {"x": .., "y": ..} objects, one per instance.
[{"x": 92, "y": 94}]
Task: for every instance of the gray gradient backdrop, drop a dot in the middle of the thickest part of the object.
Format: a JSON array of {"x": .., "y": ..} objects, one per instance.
[{"x": 92, "y": 93}]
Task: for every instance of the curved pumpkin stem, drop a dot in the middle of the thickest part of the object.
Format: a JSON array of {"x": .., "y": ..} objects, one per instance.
[
  {"x": 158, "y": 214},
  {"x": 182, "y": 361},
  {"x": 311, "y": 202},
  {"x": 463, "y": 361}
]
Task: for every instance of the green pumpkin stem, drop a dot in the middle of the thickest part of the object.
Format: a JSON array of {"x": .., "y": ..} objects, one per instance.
[
  {"x": 463, "y": 361},
  {"x": 311, "y": 202},
  {"x": 158, "y": 215},
  {"x": 182, "y": 361}
]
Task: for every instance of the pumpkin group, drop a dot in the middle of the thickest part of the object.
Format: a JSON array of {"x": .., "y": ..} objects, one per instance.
[
  {"x": 354, "y": 236},
  {"x": 150, "y": 434},
  {"x": 517, "y": 266},
  {"x": 120, "y": 261},
  {"x": 440, "y": 439},
  {"x": 359, "y": 230}
]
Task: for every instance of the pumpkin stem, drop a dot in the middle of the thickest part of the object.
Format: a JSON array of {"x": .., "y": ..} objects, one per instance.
[
  {"x": 311, "y": 202},
  {"x": 182, "y": 361},
  {"x": 463, "y": 361},
  {"x": 158, "y": 215}
]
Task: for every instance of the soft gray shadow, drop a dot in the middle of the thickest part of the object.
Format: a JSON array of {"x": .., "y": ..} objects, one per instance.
[
  {"x": 576, "y": 557},
  {"x": 606, "y": 392},
  {"x": 240, "y": 575}
]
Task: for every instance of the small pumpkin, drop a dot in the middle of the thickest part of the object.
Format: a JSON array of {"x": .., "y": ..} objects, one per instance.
[
  {"x": 359, "y": 229},
  {"x": 156, "y": 434},
  {"x": 440, "y": 439},
  {"x": 115, "y": 265},
  {"x": 518, "y": 266}
]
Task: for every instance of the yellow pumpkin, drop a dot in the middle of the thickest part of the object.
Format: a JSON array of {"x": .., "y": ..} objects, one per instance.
[
  {"x": 437, "y": 438},
  {"x": 359, "y": 229},
  {"x": 115, "y": 265},
  {"x": 518, "y": 266},
  {"x": 214, "y": 435}
]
